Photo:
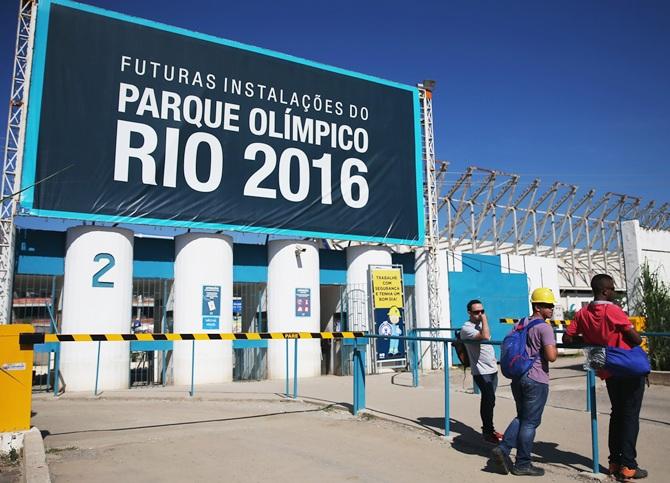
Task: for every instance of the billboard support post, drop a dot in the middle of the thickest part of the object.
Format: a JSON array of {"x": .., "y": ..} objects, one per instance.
[{"x": 13, "y": 152}]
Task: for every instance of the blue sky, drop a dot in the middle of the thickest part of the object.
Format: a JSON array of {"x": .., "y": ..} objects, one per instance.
[{"x": 575, "y": 91}]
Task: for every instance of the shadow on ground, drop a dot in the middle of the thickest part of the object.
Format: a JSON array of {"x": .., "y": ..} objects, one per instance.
[{"x": 467, "y": 440}]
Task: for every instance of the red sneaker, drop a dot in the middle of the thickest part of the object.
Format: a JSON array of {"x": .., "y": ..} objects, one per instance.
[{"x": 627, "y": 474}]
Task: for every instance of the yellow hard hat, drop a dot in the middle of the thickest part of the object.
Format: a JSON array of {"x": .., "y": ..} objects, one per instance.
[
  {"x": 542, "y": 295},
  {"x": 394, "y": 311}
]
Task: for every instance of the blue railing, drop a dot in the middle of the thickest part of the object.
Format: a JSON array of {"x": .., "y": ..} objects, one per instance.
[
  {"x": 359, "y": 374},
  {"x": 590, "y": 379}
]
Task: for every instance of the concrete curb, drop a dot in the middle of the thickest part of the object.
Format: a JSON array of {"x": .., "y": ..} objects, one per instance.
[
  {"x": 661, "y": 378},
  {"x": 35, "y": 469}
]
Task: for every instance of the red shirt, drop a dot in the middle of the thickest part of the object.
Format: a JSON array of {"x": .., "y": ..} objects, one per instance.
[{"x": 601, "y": 323}]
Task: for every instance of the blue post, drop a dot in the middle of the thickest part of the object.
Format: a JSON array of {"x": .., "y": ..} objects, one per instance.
[
  {"x": 164, "y": 366},
  {"x": 56, "y": 370},
  {"x": 163, "y": 328},
  {"x": 259, "y": 325},
  {"x": 359, "y": 377},
  {"x": 588, "y": 391},
  {"x": 97, "y": 370},
  {"x": 286, "y": 392},
  {"x": 295, "y": 368},
  {"x": 446, "y": 392},
  {"x": 48, "y": 369},
  {"x": 192, "y": 367},
  {"x": 594, "y": 420},
  {"x": 415, "y": 359}
]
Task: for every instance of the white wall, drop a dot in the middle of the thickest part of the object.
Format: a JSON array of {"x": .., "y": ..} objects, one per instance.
[
  {"x": 576, "y": 301},
  {"x": 642, "y": 246}
]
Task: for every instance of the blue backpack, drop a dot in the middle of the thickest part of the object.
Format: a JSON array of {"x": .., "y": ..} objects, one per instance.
[{"x": 514, "y": 360}]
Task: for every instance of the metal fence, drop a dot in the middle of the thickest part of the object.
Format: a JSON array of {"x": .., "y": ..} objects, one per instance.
[
  {"x": 250, "y": 315},
  {"x": 38, "y": 299},
  {"x": 151, "y": 313}
]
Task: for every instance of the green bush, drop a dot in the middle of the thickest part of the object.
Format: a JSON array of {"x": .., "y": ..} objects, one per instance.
[{"x": 653, "y": 302}]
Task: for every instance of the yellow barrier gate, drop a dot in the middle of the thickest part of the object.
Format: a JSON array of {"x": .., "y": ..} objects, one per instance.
[
  {"x": 16, "y": 378},
  {"x": 28, "y": 339},
  {"x": 16, "y": 360}
]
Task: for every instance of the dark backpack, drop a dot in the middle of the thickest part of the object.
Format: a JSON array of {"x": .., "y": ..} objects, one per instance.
[
  {"x": 461, "y": 351},
  {"x": 514, "y": 359}
]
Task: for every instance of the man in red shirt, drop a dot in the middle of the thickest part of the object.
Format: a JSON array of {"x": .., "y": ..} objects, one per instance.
[{"x": 603, "y": 323}]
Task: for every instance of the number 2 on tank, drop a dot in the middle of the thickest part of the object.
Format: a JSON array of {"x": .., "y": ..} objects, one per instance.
[{"x": 106, "y": 268}]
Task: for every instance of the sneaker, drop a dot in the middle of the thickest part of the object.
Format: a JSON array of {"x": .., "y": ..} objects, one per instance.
[
  {"x": 626, "y": 473},
  {"x": 493, "y": 437},
  {"x": 614, "y": 469},
  {"x": 529, "y": 470},
  {"x": 503, "y": 461}
]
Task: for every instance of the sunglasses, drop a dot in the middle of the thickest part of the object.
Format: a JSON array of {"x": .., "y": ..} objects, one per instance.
[
  {"x": 476, "y": 312},
  {"x": 546, "y": 306}
]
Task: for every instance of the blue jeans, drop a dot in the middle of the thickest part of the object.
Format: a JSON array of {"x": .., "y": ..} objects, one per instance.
[{"x": 530, "y": 397}]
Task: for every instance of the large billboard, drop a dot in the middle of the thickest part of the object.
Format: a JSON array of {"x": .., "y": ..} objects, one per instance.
[{"x": 137, "y": 122}]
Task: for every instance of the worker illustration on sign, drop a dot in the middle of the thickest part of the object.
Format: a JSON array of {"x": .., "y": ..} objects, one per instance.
[{"x": 392, "y": 327}]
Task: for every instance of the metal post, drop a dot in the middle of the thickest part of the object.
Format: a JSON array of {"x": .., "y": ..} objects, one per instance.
[
  {"x": 359, "y": 377},
  {"x": 97, "y": 370},
  {"x": 415, "y": 359},
  {"x": 192, "y": 367},
  {"x": 52, "y": 318},
  {"x": 13, "y": 150},
  {"x": 594, "y": 421},
  {"x": 588, "y": 391},
  {"x": 56, "y": 369},
  {"x": 259, "y": 313},
  {"x": 446, "y": 393},
  {"x": 286, "y": 391},
  {"x": 164, "y": 330},
  {"x": 295, "y": 368},
  {"x": 48, "y": 369}
]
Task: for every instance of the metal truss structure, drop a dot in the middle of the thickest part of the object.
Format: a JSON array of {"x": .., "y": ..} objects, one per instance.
[
  {"x": 432, "y": 212},
  {"x": 491, "y": 212},
  {"x": 11, "y": 169}
]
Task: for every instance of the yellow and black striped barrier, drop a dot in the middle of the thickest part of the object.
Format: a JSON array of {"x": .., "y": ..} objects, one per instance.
[
  {"x": 552, "y": 322},
  {"x": 638, "y": 322},
  {"x": 29, "y": 339}
]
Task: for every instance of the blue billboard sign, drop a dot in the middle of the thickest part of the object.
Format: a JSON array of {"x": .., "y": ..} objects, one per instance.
[{"x": 137, "y": 122}]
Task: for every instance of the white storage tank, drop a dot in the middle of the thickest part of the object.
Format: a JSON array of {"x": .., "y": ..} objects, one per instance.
[
  {"x": 203, "y": 303},
  {"x": 97, "y": 298}
]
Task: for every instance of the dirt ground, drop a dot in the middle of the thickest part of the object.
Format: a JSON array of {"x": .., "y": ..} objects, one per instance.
[
  {"x": 255, "y": 441},
  {"x": 10, "y": 469},
  {"x": 251, "y": 432}
]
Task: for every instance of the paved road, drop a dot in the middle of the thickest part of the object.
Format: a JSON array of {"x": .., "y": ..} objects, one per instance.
[{"x": 250, "y": 432}]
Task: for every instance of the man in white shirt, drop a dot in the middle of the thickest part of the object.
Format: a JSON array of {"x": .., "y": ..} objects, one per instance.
[{"x": 483, "y": 365}]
